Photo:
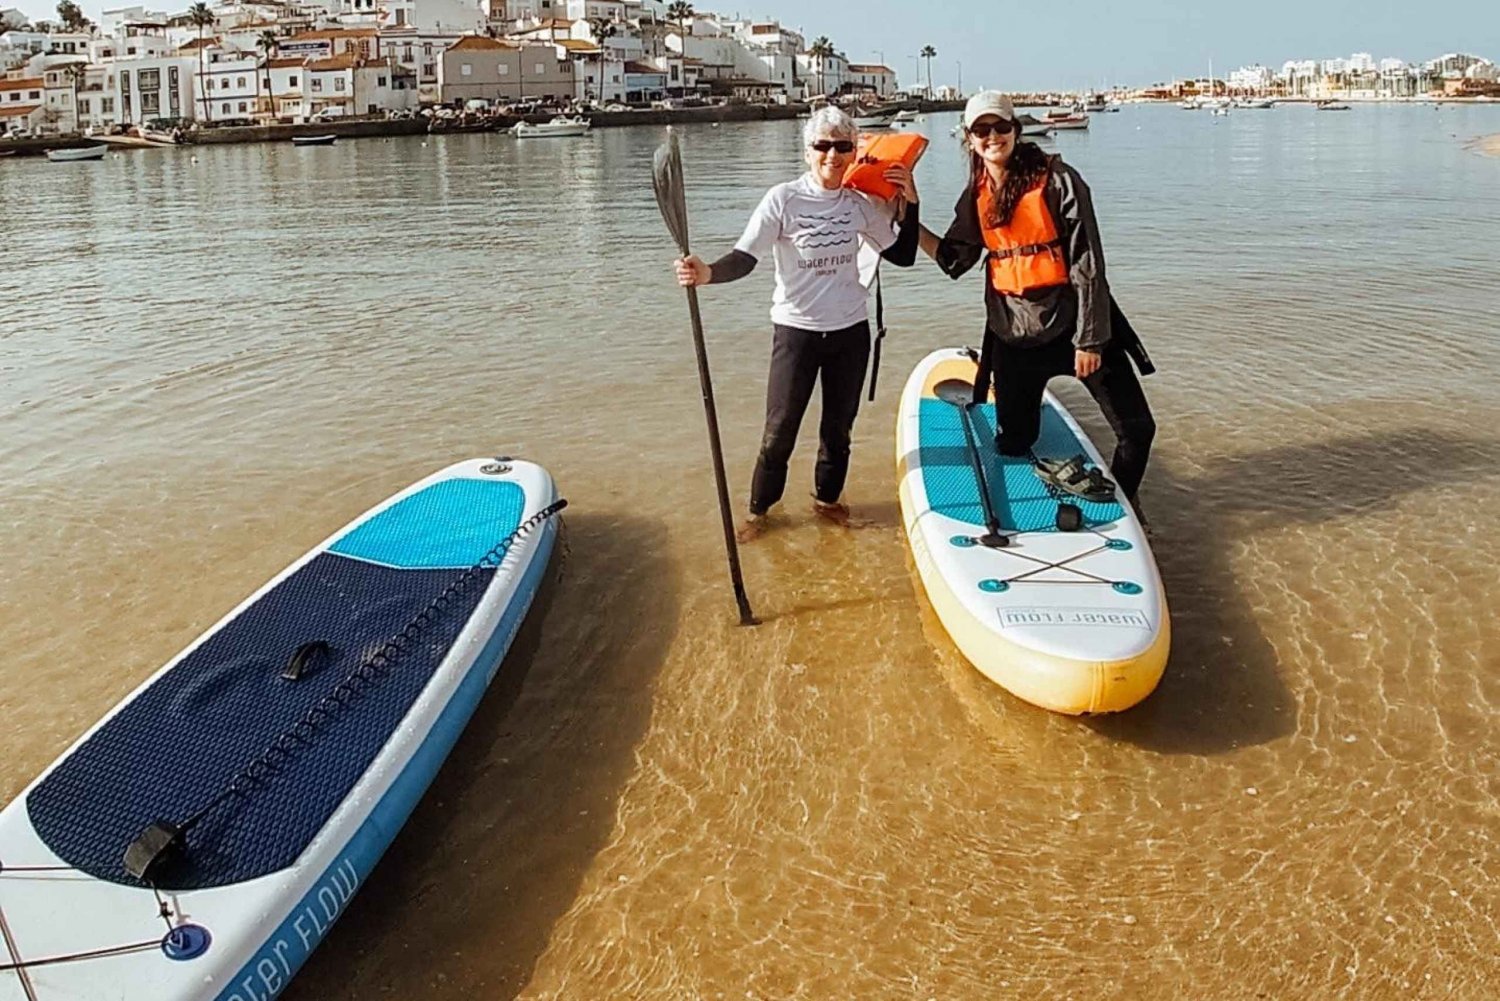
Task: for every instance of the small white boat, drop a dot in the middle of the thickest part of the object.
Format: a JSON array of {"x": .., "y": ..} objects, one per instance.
[
  {"x": 560, "y": 127},
  {"x": 1331, "y": 106},
  {"x": 81, "y": 153},
  {"x": 1066, "y": 121},
  {"x": 1259, "y": 103},
  {"x": 314, "y": 140},
  {"x": 906, "y": 117},
  {"x": 1038, "y": 131},
  {"x": 884, "y": 120},
  {"x": 1191, "y": 104}
]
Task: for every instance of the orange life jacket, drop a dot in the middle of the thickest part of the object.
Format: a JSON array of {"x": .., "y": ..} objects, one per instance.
[
  {"x": 1026, "y": 253},
  {"x": 876, "y": 154}
]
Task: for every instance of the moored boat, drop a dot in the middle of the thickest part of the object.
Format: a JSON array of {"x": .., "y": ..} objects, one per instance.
[
  {"x": 1066, "y": 121},
  {"x": 879, "y": 120},
  {"x": 561, "y": 127},
  {"x": 77, "y": 153},
  {"x": 328, "y": 140},
  {"x": 1331, "y": 106}
]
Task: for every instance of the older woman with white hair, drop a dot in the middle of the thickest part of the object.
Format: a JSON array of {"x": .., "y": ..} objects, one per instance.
[{"x": 813, "y": 228}]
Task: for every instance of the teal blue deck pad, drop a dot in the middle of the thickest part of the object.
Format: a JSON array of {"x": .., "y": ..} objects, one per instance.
[
  {"x": 1021, "y": 501},
  {"x": 449, "y": 524}
]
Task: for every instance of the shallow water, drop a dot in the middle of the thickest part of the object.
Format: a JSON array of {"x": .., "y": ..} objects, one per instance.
[{"x": 213, "y": 358}]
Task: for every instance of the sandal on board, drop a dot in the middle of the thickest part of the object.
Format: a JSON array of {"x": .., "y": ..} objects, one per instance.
[{"x": 1073, "y": 476}]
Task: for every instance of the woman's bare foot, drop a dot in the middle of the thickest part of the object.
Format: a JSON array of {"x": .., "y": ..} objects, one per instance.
[
  {"x": 751, "y": 529},
  {"x": 837, "y": 513}
]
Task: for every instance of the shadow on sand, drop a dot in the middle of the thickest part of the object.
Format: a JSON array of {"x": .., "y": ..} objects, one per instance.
[
  {"x": 463, "y": 902},
  {"x": 1222, "y": 687}
]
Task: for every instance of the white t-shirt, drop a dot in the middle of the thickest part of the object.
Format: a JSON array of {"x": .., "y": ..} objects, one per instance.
[{"x": 815, "y": 235}]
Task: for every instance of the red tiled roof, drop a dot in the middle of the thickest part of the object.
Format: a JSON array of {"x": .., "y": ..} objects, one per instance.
[
  {"x": 343, "y": 61},
  {"x": 17, "y": 110},
  {"x": 478, "y": 43},
  {"x": 24, "y": 83},
  {"x": 281, "y": 64},
  {"x": 206, "y": 41},
  {"x": 328, "y": 34}
]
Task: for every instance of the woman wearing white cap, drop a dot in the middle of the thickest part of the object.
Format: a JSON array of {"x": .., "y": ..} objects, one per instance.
[
  {"x": 1047, "y": 305},
  {"x": 813, "y": 228}
]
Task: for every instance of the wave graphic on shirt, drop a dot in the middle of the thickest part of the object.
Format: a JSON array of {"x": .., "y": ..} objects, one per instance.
[{"x": 819, "y": 232}]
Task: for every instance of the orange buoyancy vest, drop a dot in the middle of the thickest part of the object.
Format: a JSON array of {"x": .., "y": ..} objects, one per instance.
[
  {"x": 1026, "y": 253},
  {"x": 877, "y": 153}
]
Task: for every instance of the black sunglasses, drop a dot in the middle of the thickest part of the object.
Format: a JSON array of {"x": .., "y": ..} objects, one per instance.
[
  {"x": 839, "y": 145},
  {"x": 982, "y": 130}
]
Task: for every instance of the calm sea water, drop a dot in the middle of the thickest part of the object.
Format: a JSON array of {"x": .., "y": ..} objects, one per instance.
[{"x": 211, "y": 358}]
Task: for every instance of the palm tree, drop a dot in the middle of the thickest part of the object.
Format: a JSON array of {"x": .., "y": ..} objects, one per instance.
[
  {"x": 680, "y": 11},
  {"x": 200, "y": 15},
  {"x": 820, "y": 50},
  {"x": 269, "y": 45},
  {"x": 929, "y": 54},
  {"x": 76, "y": 72},
  {"x": 71, "y": 16}
]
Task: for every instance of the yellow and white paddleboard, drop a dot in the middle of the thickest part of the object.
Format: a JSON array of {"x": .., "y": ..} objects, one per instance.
[{"x": 1072, "y": 619}]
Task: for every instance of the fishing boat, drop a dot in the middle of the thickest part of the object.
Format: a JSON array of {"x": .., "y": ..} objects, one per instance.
[
  {"x": 561, "y": 127},
  {"x": 878, "y": 120},
  {"x": 1066, "y": 121},
  {"x": 79, "y": 153},
  {"x": 1096, "y": 102},
  {"x": 1258, "y": 103},
  {"x": 1331, "y": 106},
  {"x": 907, "y": 117},
  {"x": 1038, "y": 130},
  {"x": 314, "y": 140}
]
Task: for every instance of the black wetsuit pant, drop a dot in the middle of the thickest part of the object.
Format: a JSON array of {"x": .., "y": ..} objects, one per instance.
[
  {"x": 799, "y": 358},
  {"x": 1021, "y": 375}
]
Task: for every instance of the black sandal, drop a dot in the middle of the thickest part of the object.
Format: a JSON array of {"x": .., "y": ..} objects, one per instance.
[{"x": 1074, "y": 476}]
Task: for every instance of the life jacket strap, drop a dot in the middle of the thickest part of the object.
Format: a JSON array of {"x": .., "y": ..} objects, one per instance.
[{"x": 1028, "y": 250}]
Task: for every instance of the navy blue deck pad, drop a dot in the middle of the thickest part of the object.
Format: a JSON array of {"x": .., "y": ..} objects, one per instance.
[{"x": 177, "y": 745}]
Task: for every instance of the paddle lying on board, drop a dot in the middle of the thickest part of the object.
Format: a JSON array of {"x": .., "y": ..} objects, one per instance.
[
  {"x": 961, "y": 395},
  {"x": 666, "y": 180}
]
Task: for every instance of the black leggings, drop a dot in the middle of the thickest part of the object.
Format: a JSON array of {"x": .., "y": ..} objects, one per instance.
[
  {"x": 798, "y": 358},
  {"x": 1021, "y": 376}
]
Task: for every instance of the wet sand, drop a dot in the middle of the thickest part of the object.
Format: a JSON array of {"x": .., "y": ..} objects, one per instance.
[{"x": 1488, "y": 145}]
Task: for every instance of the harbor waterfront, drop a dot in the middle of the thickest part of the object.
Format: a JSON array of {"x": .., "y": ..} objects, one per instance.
[{"x": 215, "y": 356}]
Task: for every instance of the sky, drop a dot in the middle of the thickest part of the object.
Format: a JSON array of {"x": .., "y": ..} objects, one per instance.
[{"x": 1085, "y": 44}]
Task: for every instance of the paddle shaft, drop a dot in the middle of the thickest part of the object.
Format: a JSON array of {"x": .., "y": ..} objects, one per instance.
[
  {"x": 990, "y": 521},
  {"x": 705, "y": 383}
]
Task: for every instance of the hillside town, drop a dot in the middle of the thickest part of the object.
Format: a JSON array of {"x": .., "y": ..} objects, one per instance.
[
  {"x": 245, "y": 62},
  {"x": 264, "y": 62},
  {"x": 1360, "y": 77}
]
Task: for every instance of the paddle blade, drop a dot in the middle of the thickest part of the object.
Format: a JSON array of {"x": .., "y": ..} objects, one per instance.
[
  {"x": 666, "y": 179},
  {"x": 959, "y": 392}
]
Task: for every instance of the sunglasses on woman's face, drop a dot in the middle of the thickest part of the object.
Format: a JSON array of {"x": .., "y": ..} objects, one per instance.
[
  {"x": 982, "y": 130},
  {"x": 837, "y": 145}
]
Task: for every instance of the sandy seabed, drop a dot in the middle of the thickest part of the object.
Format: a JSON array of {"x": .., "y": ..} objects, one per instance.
[{"x": 1489, "y": 145}]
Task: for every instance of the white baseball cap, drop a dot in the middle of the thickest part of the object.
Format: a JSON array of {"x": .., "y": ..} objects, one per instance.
[{"x": 988, "y": 102}]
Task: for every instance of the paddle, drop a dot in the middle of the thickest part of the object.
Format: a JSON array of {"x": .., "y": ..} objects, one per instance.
[
  {"x": 961, "y": 395},
  {"x": 667, "y": 181}
]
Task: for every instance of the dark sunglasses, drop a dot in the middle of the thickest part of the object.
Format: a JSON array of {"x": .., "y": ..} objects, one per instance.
[
  {"x": 838, "y": 145},
  {"x": 982, "y": 130}
]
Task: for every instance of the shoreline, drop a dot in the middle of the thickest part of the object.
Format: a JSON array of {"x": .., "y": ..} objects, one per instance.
[{"x": 384, "y": 128}]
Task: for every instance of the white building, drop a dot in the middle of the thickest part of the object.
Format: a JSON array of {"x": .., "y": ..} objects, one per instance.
[
  {"x": 873, "y": 79},
  {"x": 23, "y": 99},
  {"x": 231, "y": 88},
  {"x": 1361, "y": 62},
  {"x": 155, "y": 87},
  {"x": 1251, "y": 78}
]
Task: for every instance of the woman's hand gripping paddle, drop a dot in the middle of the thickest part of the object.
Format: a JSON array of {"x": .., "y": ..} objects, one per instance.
[{"x": 667, "y": 181}]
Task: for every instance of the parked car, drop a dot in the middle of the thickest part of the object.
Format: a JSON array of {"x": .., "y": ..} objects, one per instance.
[{"x": 328, "y": 114}]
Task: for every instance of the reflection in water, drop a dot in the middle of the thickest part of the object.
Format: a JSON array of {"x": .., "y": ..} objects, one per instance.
[{"x": 212, "y": 358}]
